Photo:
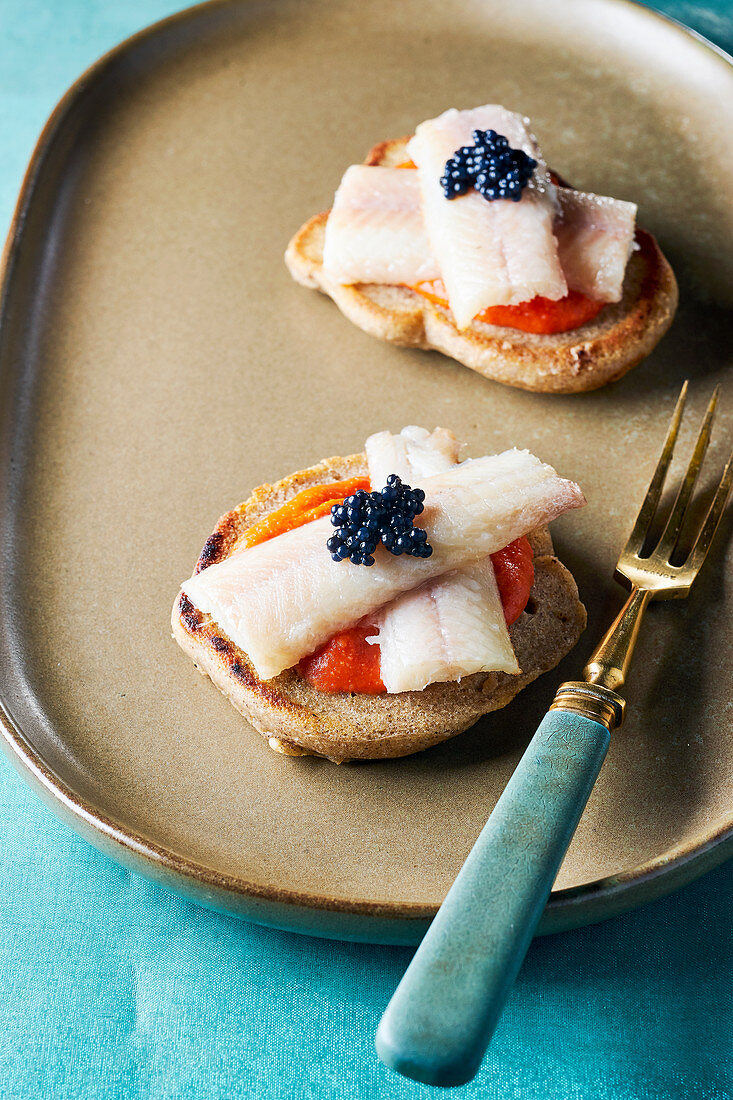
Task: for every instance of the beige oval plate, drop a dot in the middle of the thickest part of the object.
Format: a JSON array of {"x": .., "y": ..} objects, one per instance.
[{"x": 158, "y": 362}]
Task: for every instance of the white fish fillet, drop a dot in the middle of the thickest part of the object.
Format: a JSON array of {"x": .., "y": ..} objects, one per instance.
[
  {"x": 489, "y": 253},
  {"x": 364, "y": 243},
  {"x": 453, "y": 625},
  {"x": 595, "y": 235},
  {"x": 375, "y": 231},
  {"x": 447, "y": 628},
  {"x": 280, "y": 600},
  {"x": 413, "y": 455}
]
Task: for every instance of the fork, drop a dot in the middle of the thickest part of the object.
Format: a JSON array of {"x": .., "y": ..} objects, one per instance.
[{"x": 441, "y": 1018}]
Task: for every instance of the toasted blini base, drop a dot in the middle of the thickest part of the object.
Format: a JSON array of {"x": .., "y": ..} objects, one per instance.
[
  {"x": 300, "y": 720},
  {"x": 601, "y": 351}
]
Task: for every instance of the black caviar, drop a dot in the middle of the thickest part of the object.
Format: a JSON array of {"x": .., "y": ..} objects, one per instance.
[
  {"x": 490, "y": 166},
  {"x": 366, "y": 519}
]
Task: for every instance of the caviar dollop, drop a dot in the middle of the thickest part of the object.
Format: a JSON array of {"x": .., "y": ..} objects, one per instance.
[
  {"x": 388, "y": 516},
  {"x": 490, "y": 166}
]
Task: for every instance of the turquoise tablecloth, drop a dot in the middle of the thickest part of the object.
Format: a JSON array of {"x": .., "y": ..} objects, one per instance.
[{"x": 112, "y": 987}]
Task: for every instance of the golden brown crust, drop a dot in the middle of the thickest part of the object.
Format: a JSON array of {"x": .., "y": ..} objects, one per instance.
[
  {"x": 346, "y": 726},
  {"x": 599, "y": 352}
]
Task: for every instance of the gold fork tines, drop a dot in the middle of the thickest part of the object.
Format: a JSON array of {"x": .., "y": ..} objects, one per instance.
[
  {"x": 651, "y": 575},
  {"x": 655, "y": 570}
]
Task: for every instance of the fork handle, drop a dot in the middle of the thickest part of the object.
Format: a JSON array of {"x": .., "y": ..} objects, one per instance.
[{"x": 439, "y": 1022}]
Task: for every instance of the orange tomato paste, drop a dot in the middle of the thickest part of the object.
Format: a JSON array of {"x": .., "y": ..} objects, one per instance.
[
  {"x": 514, "y": 570},
  {"x": 346, "y": 662},
  {"x": 307, "y": 505},
  {"x": 540, "y": 315}
]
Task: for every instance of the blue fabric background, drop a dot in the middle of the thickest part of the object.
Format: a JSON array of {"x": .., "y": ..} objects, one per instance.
[{"x": 111, "y": 987}]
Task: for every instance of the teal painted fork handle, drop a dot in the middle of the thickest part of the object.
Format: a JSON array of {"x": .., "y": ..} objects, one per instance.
[{"x": 439, "y": 1022}]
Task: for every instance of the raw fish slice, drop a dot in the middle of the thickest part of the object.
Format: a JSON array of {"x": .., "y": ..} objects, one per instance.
[
  {"x": 453, "y": 625},
  {"x": 281, "y": 599},
  {"x": 594, "y": 235},
  {"x": 489, "y": 253},
  {"x": 375, "y": 231},
  {"x": 413, "y": 455},
  {"x": 450, "y": 627}
]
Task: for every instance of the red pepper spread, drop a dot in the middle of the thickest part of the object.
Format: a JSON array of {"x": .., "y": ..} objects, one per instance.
[
  {"x": 347, "y": 662},
  {"x": 541, "y": 315}
]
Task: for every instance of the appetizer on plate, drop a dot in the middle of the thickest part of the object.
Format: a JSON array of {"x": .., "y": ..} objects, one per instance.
[
  {"x": 461, "y": 239},
  {"x": 377, "y": 604}
]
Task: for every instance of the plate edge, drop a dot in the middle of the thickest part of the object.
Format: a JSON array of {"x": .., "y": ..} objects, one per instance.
[{"x": 567, "y": 908}]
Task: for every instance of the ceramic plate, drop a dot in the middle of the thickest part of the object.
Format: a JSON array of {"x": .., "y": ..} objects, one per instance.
[{"x": 157, "y": 362}]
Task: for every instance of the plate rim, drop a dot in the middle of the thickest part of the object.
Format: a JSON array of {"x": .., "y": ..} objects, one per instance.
[{"x": 570, "y": 907}]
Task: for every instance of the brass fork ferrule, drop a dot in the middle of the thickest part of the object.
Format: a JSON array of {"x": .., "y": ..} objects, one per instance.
[{"x": 592, "y": 701}]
